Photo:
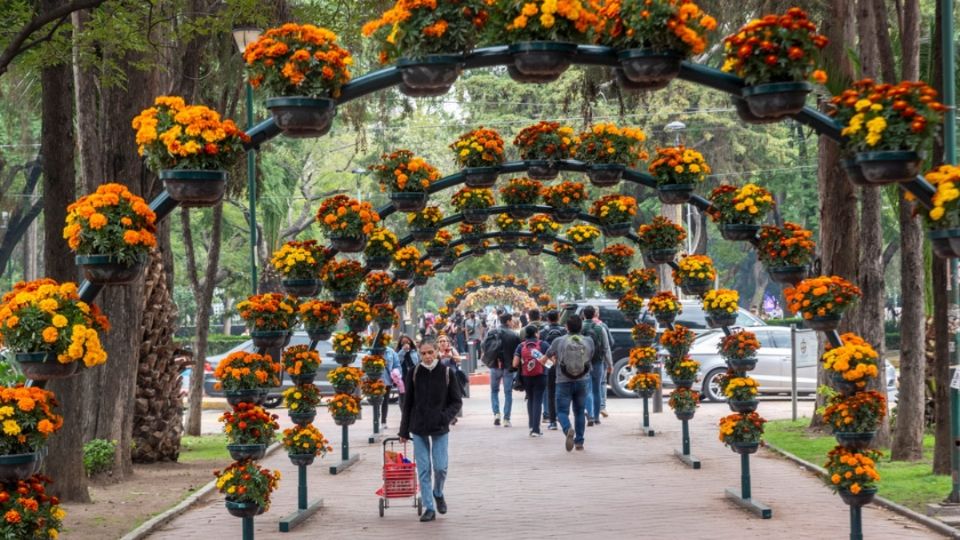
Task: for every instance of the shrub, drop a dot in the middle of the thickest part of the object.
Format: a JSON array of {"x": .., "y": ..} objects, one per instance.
[{"x": 98, "y": 456}]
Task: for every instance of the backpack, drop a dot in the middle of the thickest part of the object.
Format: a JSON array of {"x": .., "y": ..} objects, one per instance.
[
  {"x": 490, "y": 349},
  {"x": 552, "y": 332},
  {"x": 596, "y": 333},
  {"x": 574, "y": 358},
  {"x": 529, "y": 365}
]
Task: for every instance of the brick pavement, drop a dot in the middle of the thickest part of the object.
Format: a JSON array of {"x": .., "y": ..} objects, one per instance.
[{"x": 502, "y": 484}]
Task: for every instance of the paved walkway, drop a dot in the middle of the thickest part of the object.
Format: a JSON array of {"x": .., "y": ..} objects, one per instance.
[{"x": 502, "y": 484}]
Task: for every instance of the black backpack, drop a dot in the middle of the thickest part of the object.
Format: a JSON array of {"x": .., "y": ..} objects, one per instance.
[
  {"x": 552, "y": 332},
  {"x": 595, "y": 333},
  {"x": 490, "y": 348}
]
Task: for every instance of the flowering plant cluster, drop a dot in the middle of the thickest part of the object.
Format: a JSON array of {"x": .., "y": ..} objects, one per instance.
[
  {"x": 664, "y": 303},
  {"x": 583, "y": 234},
  {"x": 373, "y": 365},
  {"x": 424, "y": 269},
  {"x": 821, "y": 296},
  {"x": 298, "y": 60},
  {"x": 479, "y": 148},
  {"x": 300, "y": 359},
  {"x": 679, "y": 165},
  {"x": 855, "y": 361},
  {"x": 643, "y": 382},
  {"x": 249, "y": 424},
  {"x": 946, "y": 201},
  {"x": 268, "y": 311},
  {"x": 543, "y": 20},
  {"x": 642, "y": 331},
  {"x": 684, "y": 400},
  {"x": 407, "y": 257},
  {"x": 245, "y": 481},
  {"x": 590, "y": 264},
  {"x": 373, "y": 388},
  {"x": 345, "y": 377},
  {"x": 441, "y": 239},
  {"x": 683, "y": 369},
  {"x": 347, "y": 343},
  {"x": 617, "y": 255},
  {"x": 300, "y": 259},
  {"x": 694, "y": 268},
  {"x": 630, "y": 304},
  {"x": 28, "y": 419},
  {"x": 543, "y": 224},
  {"x": 343, "y": 217},
  {"x": 302, "y": 398},
  {"x": 382, "y": 243},
  {"x": 662, "y": 25},
  {"x": 344, "y": 406},
  {"x": 374, "y": 341},
  {"x": 789, "y": 246},
  {"x": 45, "y": 316},
  {"x": 720, "y": 301},
  {"x": 746, "y": 204},
  {"x": 858, "y": 413},
  {"x": 509, "y": 224},
  {"x": 642, "y": 357},
  {"x": 356, "y": 313},
  {"x": 677, "y": 340},
  {"x": 174, "y": 135},
  {"x": 342, "y": 275},
  {"x": 246, "y": 371},
  {"x": 471, "y": 229},
  {"x": 644, "y": 279},
  {"x": 739, "y": 346},
  {"x": 613, "y": 209},
  {"x": 473, "y": 199},
  {"x": 565, "y": 195},
  {"x": 776, "y": 49},
  {"x": 521, "y": 191},
  {"x": 607, "y": 143},
  {"x": 852, "y": 471},
  {"x": 384, "y": 314},
  {"x": 741, "y": 389},
  {"x": 617, "y": 285},
  {"x": 306, "y": 440},
  {"x": 112, "y": 221},
  {"x": 562, "y": 249},
  {"x": 661, "y": 233},
  {"x": 28, "y": 511},
  {"x": 428, "y": 218},
  {"x": 319, "y": 314},
  {"x": 402, "y": 171},
  {"x": 546, "y": 140},
  {"x": 741, "y": 428},
  {"x": 417, "y": 28},
  {"x": 888, "y": 117}
]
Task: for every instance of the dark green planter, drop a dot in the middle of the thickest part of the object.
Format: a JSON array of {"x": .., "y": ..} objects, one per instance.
[
  {"x": 742, "y": 364},
  {"x": 653, "y": 69},
  {"x": 675, "y": 193},
  {"x": 630, "y": 315},
  {"x": 583, "y": 249},
  {"x": 302, "y": 460},
  {"x": 854, "y": 441},
  {"x": 194, "y": 188},
  {"x": 254, "y": 396},
  {"x": 479, "y": 250},
  {"x": 696, "y": 287},
  {"x": 240, "y": 452},
  {"x": 420, "y": 280},
  {"x": 605, "y": 175},
  {"x": 301, "y": 287},
  {"x": 305, "y": 377},
  {"x": 863, "y": 498},
  {"x": 660, "y": 256},
  {"x": 787, "y": 275},
  {"x": 745, "y": 447},
  {"x": 348, "y": 244},
  {"x": 423, "y": 234},
  {"x": 243, "y": 509},
  {"x": 266, "y": 339},
  {"x": 475, "y": 216},
  {"x": 665, "y": 319},
  {"x": 738, "y": 232},
  {"x": 565, "y": 215},
  {"x": 344, "y": 421},
  {"x": 43, "y": 366},
  {"x": 645, "y": 291},
  {"x": 481, "y": 177},
  {"x": 824, "y": 324},
  {"x": 405, "y": 201},
  {"x": 521, "y": 211},
  {"x": 566, "y": 258},
  {"x": 889, "y": 167},
  {"x": 302, "y": 117},
  {"x": 508, "y": 248},
  {"x": 646, "y": 342},
  {"x": 747, "y": 116},
  {"x": 344, "y": 297},
  {"x": 535, "y": 248},
  {"x": 540, "y": 61},
  {"x": 378, "y": 263},
  {"x": 319, "y": 333},
  {"x": 612, "y": 295},
  {"x": 303, "y": 418},
  {"x": 854, "y": 172},
  {"x": 15, "y": 467},
  {"x": 432, "y": 75},
  {"x": 683, "y": 383},
  {"x": 357, "y": 326},
  {"x": 618, "y": 269},
  {"x": 435, "y": 252},
  {"x": 646, "y": 394},
  {"x": 344, "y": 359},
  {"x": 542, "y": 169},
  {"x": 776, "y": 99},
  {"x": 721, "y": 320},
  {"x": 107, "y": 270},
  {"x": 644, "y": 368},
  {"x": 945, "y": 242},
  {"x": 685, "y": 414},
  {"x": 617, "y": 229},
  {"x": 743, "y": 407},
  {"x": 842, "y": 385}
]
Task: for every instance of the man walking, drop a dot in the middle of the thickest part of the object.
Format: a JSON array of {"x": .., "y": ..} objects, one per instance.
[
  {"x": 501, "y": 369},
  {"x": 572, "y": 354},
  {"x": 600, "y": 364},
  {"x": 549, "y": 334}
]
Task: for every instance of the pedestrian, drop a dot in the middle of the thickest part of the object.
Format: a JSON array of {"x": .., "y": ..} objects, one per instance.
[
  {"x": 603, "y": 383},
  {"x": 501, "y": 367},
  {"x": 548, "y": 334},
  {"x": 474, "y": 332},
  {"x": 391, "y": 373},
  {"x": 433, "y": 401},
  {"x": 529, "y": 358},
  {"x": 407, "y": 353},
  {"x": 600, "y": 364},
  {"x": 449, "y": 357},
  {"x": 536, "y": 319},
  {"x": 572, "y": 354}
]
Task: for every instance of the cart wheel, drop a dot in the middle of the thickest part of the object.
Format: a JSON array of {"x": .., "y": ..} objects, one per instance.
[
  {"x": 419, "y": 506},
  {"x": 381, "y": 507}
]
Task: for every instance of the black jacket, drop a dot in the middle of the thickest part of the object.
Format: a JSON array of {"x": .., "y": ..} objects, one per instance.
[
  {"x": 508, "y": 344},
  {"x": 432, "y": 401}
]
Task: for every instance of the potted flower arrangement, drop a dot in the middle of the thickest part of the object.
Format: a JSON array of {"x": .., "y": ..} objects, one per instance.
[
  {"x": 373, "y": 366},
  {"x": 943, "y": 219},
  {"x": 471, "y": 234},
  {"x": 520, "y": 194},
  {"x": 428, "y": 40},
  {"x": 742, "y": 432},
  {"x": 347, "y": 222},
  {"x": 608, "y": 150},
  {"x": 842, "y": 108},
  {"x": 665, "y": 307},
  {"x": 49, "y": 329},
  {"x": 373, "y": 389},
  {"x": 739, "y": 211},
  {"x": 190, "y": 148},
  {"x": 480, "y": 154},
  {"x": 473, "y": 203},
  {"x": 342, "y": 278},
  {"x": 357, "y": 315},
  {"x": 344, "y": 408},
  {"x": 424, "y": 269},
  {"x": 855, "y": 418},
  {"x": 299, "y": 263},
  {"x": 385, "y": 315},
  {"x": 245, "y": 377},
  {"x": 677, "y": 340},
  {"x": 785, "y": 252},
  {"x": 614, "y": 286},
  {"x": 644, "y": 384},
  {"x": 247, "y": 488},
  {"x": 721, "y": 307},
  {"x": 630, "y": 304},
  {"x": 615, "y": 213},
  {"x": 582, "y": 237},
  {"x": 425, "y": 224},
  {"x": 31, "y": 420},
  {"x": 111, "y": 231},
  {"x": 542, "y": 145},
  {"x": 775, "y": 55},
  {"x": 643, "y": 359},
  {"x": 543, "y": 36},
  {"x": 405, "y": 262},
  {"x": 399, "y": 292},
  {"x": 565, "y": 200},
  {"x": 564, "y": 252},
  {"x": 617, "y": 258},
  {"x": 851, "y": 364},
  {"x": 740, "y": 350},
  {"x": 346, "y": 345},
  {"x": 591, "y": 266},
  {"x": 378, "y": 343},
  {"x": 644, "y": 281},
  {"x": 653, "y": 38},
  {"x": 741, "y": 394},
  {"x": 544, "y": 300},
  {"x": 695, "y": 274},
  {"x": 506, "y": 223},
  {"x": 542, "y": 226},
  {"x": 301, "y": 402},
  {"x": 270, "y": 318},
  {"x": 660, "y": 239},
  {"x": 301, "y": 363},
  {"x": 380, "y": 248},
  {"x": 822, "y": 300},
  {"x": 684, "y": 402},
  {"x": 304, "y": 443},
  {"x": 853, "y": 475},
  {"x": 643, "y": 334},
  {"x": 249, "y": 430},
  {"x": 678, "y": 170},
  {"x": 683, "y": 371},
  {"x": 29, "y": 511},
  {"x": 407, "y": 178},
  {"x": 319, "y": 318},
  {"x": 302, "y": 68}
]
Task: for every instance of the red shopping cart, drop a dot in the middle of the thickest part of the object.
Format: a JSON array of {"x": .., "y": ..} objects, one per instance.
[{"x": 399, "y": 475}]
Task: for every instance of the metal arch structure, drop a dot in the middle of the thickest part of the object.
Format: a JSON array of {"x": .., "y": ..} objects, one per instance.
[{"x": 480, "y": 287}]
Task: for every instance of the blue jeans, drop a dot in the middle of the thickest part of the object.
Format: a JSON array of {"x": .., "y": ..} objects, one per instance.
[
  {"x": 575, "y": 392},
  {"x": 598, "y": 374},
  {"x": 505, "y": 375},
  {"x": 427, "y": 451}
]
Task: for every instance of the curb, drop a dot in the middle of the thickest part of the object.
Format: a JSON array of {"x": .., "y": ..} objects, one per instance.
[
  {"x": 934, "y": 524},
  {"x": 151, "y": 525}
]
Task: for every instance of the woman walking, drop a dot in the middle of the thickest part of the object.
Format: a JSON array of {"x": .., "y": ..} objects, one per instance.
[
  {"x": 530, "y": 359},
  {"x": 407, "y": 355},
  {"x": 392, "y": 378}
]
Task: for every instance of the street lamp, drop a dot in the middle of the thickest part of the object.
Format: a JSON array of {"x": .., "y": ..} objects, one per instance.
[
  {"x": 678, "y": 127},
  {"x": 359, "y": 172},
  {"x": 675, "y": 127},
  {"x": 243, "y": 36}
]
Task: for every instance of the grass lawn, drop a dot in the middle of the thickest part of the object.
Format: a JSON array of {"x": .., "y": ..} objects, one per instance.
[
  {"x": 908, "y": 483},
  {"x": 203, "y": 448}
]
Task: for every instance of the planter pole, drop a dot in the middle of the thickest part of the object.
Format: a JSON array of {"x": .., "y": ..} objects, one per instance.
[
  {"x": 684, "y": 454},
  {"x": 856, "y": 523},
  {"x": 304, "y": 508},
  {"x": 248, "y": 528},
  {"x": 744, "y": 498},
  {"x": 645, "y": 428},
  {"x": 377, "y": 436},
  {"x": 346, "y": 459}
]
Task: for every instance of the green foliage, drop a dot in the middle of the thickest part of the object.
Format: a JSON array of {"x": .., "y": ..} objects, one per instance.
[
  {"x": 9, "y": 374},
  {"x": 203, "y": 448},
  {"x": 98, "y": 456},
  {"x": 785, "y": 322}
]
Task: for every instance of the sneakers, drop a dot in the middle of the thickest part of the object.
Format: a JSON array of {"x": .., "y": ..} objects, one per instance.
[
  {"x": 596, "y": 422},
  {"x": 441, "y": 505},
  {"x": 568, "y": 443},
  {"x": 535, "y": 434},
  {"x": 552, "y": 426},
  {"x": 496, "y": 419},
  {"x": 545, "y": 419},
  {"x": 506, "y": 423},
  {"x": 579, "y": 447},
  {"x": 603, "y": 413},
  {"x": 384, "y": 427},
  {"x": 590, "y": 422},
  {"x": 428, "y": 515}
]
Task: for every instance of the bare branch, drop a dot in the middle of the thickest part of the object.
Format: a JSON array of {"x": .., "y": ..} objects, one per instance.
[{"x": 19, "y": 43}]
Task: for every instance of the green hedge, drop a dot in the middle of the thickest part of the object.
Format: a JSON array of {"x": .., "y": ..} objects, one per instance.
[
  {"x": 785, "y": 322},
  {"x": 216, "y": 343}
]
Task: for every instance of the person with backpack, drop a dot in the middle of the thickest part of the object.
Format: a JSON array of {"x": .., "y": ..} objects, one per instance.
[
  {"x": 498, "y": 348},
  {"x": 391, "y": 370},
  {"x": 600, "y": 364},
  {"x": 548, "y": 334},
  {"x": 572, "y": 354},
  {"x": 449, "y": 357},
  {"x": 432, "y": 403},
  {"x": 407, "y": 353},
  {"x": 529, "y": 359}
]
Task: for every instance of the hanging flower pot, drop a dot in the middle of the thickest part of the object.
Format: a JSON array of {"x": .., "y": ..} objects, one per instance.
[
  {"x": 863, "y": 498},
  {"x": 742, "y": 364},
  {"x": 648, "y": 67},
  {"x": 945, "y": 242},
  {"x": 618, "y": 269},
  {"x": 684, "y": 415},
  {"x": 420, "y": 280},
  {"x": 344, "y": 359},
  {"x": 194, "y": 188},
  {"x": 666, "y": 319},
  {"x": 301, "y": 117},
  {"x": 722, "y": 320},
  {"x": 787, "y": 275},
  {"x": 402, "y": 273},
  {"x": 266, "y": 339},
  {"x": 107, "y": 270},
  {"x": 377, "y": 263},
  {"x": 889, "y": 167},
  {"x": 738, "y": 231},
  {"x": 479, "y": 250},
  {"x": 405, "y": 201},
  {"x": 15, "y": 467},
  {"x": 508, "y": 248},
  {"x": 303, "y": 418},
  {"x": 343, "y": 297},
  {"x": 475, "y": 216},
  {"x": 435, "y": 251},
  {"x": 617, "y": 229},
  {"x": 243, "y": 509},
  {"x": 319, "y": 333},
  {"x": 744, "y": 406},
  {"x": 304, "y": 378},
  {"x": 301, "y": 287},
  {"x": 521, "y": 211},
  {"x": 302, "y": 460},
  {"x": 423, "y": 235},
  {"x": 674, "y": 193},
  {"x": 540, "y": 61},
  {"x": 254, "y": 396},
  {"x": 534, "y": 248},
  {"x": 432, "y": 75},
  {"x": 565, "y": 258},
  {"x": 43, "y": 366},
  {"x": 565, "y": 215},
  {"x": 745, "y": 447},
  {"x": 853, "y": 440},
  {"x": 660, "y": 256},
  {"x": 696, "y": 287},
  {"x": 348, "y": 244},
  {"x": 842, "y": 385},
  {"x": 776, "y": 99},
  {"x": 583, "y": 249},
  {"x": 357, "y": 326},
  {"x": 682, "y": 383},
  {"x": 746, "y": 115},
  {"x": 854, "y": 172},
  {"x": 824, "y": 323},
  {"x": 605, "y": 174},
  {"x": 481, "y": 177},
  {"x": 626, "y": 84},
  {"x": 541, "y": 169},
  {"x": 239, "y": 452},
  {"x": 344, "y": 421},
  {"x": 645, "y": 291}
]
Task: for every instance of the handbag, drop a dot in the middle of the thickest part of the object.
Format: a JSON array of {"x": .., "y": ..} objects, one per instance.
[{"x": 518, "y": 383}]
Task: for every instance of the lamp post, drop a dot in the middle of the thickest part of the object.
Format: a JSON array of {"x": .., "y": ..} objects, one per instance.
[
  {"x": 244, "y": 36},
  {"x": 677, "y": 127},
  {"x": 360, "y": 172}
]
